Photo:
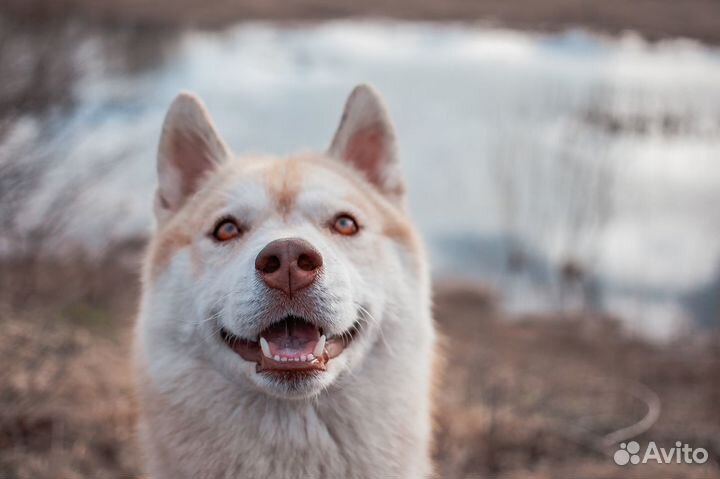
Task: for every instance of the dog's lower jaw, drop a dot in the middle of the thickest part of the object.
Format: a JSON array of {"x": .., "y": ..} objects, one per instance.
[{"x": 374, "y": 424}]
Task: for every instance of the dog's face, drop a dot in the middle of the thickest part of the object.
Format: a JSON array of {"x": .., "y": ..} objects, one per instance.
[{"x": 278, "y": 272}]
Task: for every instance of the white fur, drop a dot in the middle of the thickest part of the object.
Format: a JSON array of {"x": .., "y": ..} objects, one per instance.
[{"x": 206, "y": 413}]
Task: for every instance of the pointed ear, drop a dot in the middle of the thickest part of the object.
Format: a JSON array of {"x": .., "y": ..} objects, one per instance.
[
  {"x": 366, "y": 140},
  {"x": 189, "y": 149}
]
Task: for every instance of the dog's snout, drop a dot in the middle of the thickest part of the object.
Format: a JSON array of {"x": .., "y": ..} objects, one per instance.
[{"x": 288, "y": 265}]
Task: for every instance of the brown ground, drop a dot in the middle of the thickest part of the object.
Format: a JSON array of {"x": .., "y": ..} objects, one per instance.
[
  {"x": 523, "y": 398},
  {"x": 654, "y": 18}
]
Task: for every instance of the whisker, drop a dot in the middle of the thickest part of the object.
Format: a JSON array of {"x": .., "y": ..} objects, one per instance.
[{"x": 368, "y": 317}]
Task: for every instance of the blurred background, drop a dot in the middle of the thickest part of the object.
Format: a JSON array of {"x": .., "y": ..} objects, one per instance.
[{"x": 563, "y": 164}]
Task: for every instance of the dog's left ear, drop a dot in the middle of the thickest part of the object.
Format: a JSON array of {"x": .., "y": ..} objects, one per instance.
[
  {"x": 366, "y": 140},
  {"x": 190, "y": 148}
]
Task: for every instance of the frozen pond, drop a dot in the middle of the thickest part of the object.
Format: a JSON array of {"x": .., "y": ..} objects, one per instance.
[{"x": 523, "y": 152}]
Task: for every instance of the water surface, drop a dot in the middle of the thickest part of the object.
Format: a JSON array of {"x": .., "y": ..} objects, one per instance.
[{"x": 524, "y": 153}]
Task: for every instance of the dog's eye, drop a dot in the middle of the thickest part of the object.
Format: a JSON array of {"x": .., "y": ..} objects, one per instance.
[
  {"x": 226, "y": 230},
  {"x": 345, "y": 225}
]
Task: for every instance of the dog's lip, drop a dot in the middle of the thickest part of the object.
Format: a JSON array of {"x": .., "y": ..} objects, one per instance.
[{"x": 255, "y": 351}]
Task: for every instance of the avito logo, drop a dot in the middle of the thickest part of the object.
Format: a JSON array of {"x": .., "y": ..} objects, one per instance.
[{"x": 680, "y": 454}]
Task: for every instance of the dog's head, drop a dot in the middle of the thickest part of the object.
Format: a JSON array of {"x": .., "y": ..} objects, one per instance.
[{"x": 278, "y": 272}]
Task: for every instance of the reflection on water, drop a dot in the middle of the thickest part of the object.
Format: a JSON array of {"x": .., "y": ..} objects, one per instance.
[{"x": 564, "y": 169}]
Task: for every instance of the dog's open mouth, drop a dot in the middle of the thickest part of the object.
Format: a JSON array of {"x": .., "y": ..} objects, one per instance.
[{"x": 290, "y": 345}]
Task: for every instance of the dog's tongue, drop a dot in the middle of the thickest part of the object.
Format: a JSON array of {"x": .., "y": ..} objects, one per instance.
[{"x": 292, "y": 337}]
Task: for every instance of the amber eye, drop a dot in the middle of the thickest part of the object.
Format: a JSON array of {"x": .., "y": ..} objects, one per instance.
[
  {"x": 226, "y": 230},
  {"x": 345, "y": 225}
]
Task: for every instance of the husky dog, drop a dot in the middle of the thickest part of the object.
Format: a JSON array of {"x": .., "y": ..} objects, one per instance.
[{"x": 285, "y": 327}]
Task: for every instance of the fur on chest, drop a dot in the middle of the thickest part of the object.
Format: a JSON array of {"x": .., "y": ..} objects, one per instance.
[{"x": 340, "y": 437}]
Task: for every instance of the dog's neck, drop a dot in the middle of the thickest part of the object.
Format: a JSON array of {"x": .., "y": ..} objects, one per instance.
[{"x": 370, "y": 424}]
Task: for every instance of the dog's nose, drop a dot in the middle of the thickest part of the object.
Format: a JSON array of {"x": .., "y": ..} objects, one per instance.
[{"x": 289, "y": 264}]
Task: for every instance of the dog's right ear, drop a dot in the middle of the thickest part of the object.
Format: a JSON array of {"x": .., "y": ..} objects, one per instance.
[
  {"x": 365, "y": 139},
  {"x": 189, "y": 149}
]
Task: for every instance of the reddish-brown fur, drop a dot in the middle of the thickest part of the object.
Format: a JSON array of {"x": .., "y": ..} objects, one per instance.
[{"x": 283, "y": 180}]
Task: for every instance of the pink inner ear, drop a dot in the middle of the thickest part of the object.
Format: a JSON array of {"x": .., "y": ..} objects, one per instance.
[
  {"x": 192, "y": 157},
  {"x": 366, "y": 149}
]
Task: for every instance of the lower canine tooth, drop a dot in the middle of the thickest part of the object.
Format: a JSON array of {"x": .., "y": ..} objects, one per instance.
[
  {"x": 319, "y": 347},
  {"x": 265, "y": 347}
]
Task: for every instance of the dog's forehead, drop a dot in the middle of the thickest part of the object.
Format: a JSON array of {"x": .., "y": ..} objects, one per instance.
[{"x": 287, "y": 184}]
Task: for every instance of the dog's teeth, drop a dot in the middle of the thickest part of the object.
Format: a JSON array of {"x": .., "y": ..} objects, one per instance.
[
  {"x": 283, "y": 359},
  {"x": 265, "y": 347},
  {"x": 297, "y": 360},
  {"x": 310, "y": 357},
  {"x": 276, "y": 357},
  {"x": 303, "y": 358},
  {"x": 319, "y": 347}
]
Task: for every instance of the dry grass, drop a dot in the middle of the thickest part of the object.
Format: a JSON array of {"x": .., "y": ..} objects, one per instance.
[
  {"x": 535, "y": 397},
  {"x": 66, "y": 405},
  {"x": 67, "y": 409},
  {"x": 528, "y": 398}
]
